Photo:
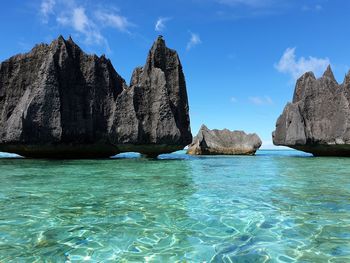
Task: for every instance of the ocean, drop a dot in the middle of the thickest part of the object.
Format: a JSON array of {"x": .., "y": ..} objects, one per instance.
[{"x": 277, "y": 206}]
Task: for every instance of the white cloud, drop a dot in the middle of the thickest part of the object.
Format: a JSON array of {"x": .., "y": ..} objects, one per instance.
[
  {"x": 265, "y": 100},
  {"x": 234, "y": 99},
  {"x": 241, "y": 9},
  {"x": 250, "y": 3},
  {"x": 83, "y": 24},
  {"x": 160, "y": 24},
  {"x": 194, "y": 41},
  {"x": 46, "y": 9},
  {"x": 63, "y": 20},
  {"x": 317, "y": 7},
  {"x": 114, "y": 20},
  {"x": 289, "y": 64},
  {"x": 84, "y": 20},
  {"x": 231, "y": 56},
  {"x": 80, "y": 20}
]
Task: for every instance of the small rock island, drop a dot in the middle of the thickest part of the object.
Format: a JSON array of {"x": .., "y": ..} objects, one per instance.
[
  {"x": 223, "y": 142},
  {"x": 58, "y": 102},
  {"x": 318, "y": 119}
]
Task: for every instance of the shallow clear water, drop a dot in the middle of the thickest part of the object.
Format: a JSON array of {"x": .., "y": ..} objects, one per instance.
[{"x": 278, "y": 206}]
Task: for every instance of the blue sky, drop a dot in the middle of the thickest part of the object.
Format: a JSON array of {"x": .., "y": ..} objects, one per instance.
[{"x": 240, "y": 57}]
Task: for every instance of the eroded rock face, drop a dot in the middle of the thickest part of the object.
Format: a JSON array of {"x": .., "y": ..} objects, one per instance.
[
  {"x": 318, "y": 119},
  {"x": 56, "y": 101},
  {"x": 224, "y": 142}
]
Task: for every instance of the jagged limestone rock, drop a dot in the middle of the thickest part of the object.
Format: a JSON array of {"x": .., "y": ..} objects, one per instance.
[
  {"x": 58, "y": 102},
  {"x": 318, "y": 119},
  {"x": 223, "y": 142}
]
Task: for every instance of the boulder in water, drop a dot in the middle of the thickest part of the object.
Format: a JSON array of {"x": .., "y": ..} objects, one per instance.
[{"x": 224, "y": 142}]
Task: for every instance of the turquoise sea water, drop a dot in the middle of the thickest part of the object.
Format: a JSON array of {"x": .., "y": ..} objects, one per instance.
[{"x": 278, "y": 206}]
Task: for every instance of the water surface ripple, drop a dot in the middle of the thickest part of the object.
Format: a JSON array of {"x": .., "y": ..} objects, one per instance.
[{"x": 278, "y": 206}]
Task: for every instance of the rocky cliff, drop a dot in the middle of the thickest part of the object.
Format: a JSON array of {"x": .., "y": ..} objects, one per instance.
[
  {"x": 225, "y": 142},
  {"x": 318, "y": 119},
  {"x": 56, "y": 101}
]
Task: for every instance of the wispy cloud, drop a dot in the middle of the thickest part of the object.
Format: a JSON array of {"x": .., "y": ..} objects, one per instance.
[
  {"x": 240, "y": 9},
  {"x": 250, "y": 3},
  {"x": 194, "y": 41},
  {"x": 160, "y": 24},
  {"x": 84, "y": 20},
  {"x": 316, "y": 8},
  {"x": 80, "y": 22},
  {"x": 114, "y": 20},
  {"x": 289, "y": 64},
  {"x": 231, "y": 56},
  {"x": 260, "y": 101},
  {"x": 234, "y": 99},
  {"x": 258, "y": 7},
  {"x": 46, "y": 9}
]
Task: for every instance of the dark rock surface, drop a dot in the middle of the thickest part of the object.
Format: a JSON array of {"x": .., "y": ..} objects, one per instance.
[
  {"x": 58, "y": 102},
  {"x": 223, "y": 142},
  {"x": 318, "y": 119}
]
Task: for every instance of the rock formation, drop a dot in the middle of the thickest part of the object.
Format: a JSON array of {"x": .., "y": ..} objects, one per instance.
[
  {"x": 318, "y": 119},
  {"x": 58, "y": 102},
  {"x": 215, "y": 142}
]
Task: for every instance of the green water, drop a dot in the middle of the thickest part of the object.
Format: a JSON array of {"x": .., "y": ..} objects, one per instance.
[{"x": 279, "y": 206}]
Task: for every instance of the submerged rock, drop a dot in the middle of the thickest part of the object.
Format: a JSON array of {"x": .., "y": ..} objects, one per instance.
[
  {"x": 318, "y": 119},
  {"x": 58, "y": 102},
  {"x": 214, "y": 142}
]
